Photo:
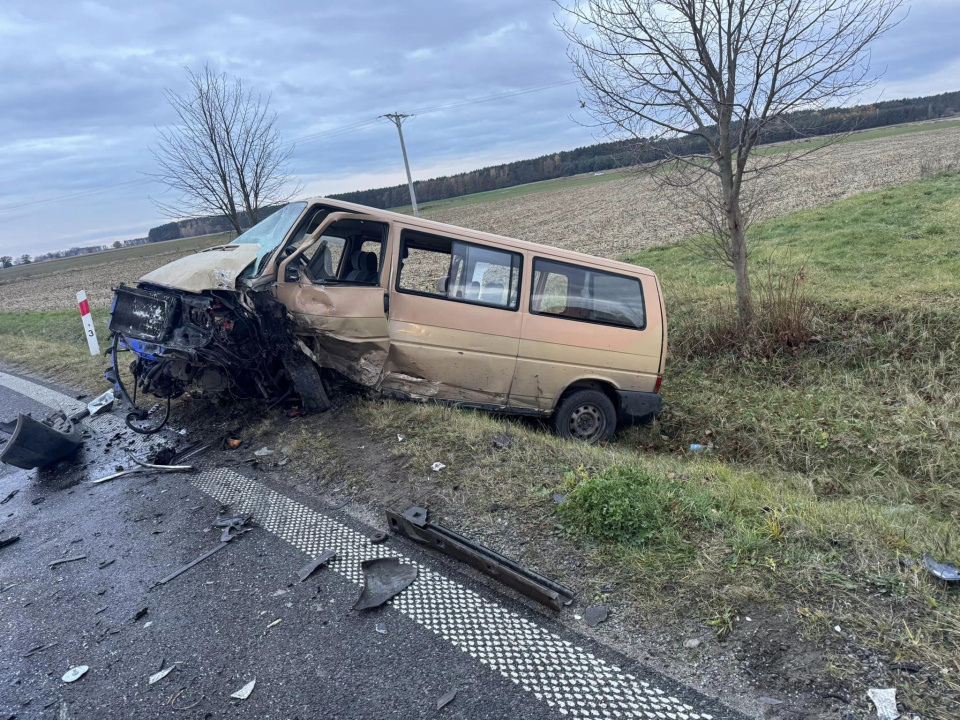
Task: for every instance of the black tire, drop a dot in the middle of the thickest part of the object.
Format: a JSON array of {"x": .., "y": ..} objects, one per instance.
[{"x": 585, "y": 415}]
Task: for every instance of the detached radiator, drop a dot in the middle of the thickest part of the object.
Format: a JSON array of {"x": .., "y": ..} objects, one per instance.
[{"x": 143, "y": 314}]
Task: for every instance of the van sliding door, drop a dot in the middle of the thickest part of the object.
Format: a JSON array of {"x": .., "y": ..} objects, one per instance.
[{"x": 454, "y": 321}]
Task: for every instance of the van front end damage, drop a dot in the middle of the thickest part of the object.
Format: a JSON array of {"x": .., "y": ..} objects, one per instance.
[{"x": 232, "y": 344}]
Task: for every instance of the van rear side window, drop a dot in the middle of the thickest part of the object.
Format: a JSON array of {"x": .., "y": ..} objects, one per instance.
[
  {"x": 445, "y": 268},
  {"x": 579, "y": 293}
]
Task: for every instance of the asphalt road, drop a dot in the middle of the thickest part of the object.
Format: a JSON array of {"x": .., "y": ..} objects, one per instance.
[{"x": 242, "y": 615}]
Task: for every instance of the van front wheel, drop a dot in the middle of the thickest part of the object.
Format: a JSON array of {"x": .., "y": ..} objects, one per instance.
[{"x": 586, "y": 415}]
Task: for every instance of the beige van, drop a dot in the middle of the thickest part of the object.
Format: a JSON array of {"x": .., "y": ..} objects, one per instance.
[{"x": 427, "y": 311}]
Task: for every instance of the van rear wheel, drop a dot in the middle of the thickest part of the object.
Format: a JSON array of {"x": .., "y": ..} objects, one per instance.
[{"x": 585, "y": 415}]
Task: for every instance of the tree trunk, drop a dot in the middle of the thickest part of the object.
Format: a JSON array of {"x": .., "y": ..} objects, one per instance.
[{"x": 738, "y": 247}]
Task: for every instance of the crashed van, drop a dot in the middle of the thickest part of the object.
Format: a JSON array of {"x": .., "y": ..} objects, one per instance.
[{"x": 324, "y": 291}]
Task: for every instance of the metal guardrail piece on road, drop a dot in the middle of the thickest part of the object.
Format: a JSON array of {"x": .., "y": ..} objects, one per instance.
[{"x": 413, "y": 524}]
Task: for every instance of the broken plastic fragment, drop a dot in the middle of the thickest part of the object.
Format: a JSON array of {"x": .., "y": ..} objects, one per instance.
[
  {"x": 945, "y": 571},
  {"x": 886, "y": 703},
  {"x": 383, "y": 578},
  {"x": 382, "y": 628},
  {"x": 399, "y": 437},
  {"x": 322, "y": 559},
  {"x": 244, "y": 692},
  {"x": 446, "y": 699},
  {"x": 596, "y": 614},
  {"x": 156, "y": 677},
  {"x": 75, "y": 673},
  {"x": 437, "y": 466},
  {"x": 101, "y": 403},
  {"x": 263, "y": 452}
]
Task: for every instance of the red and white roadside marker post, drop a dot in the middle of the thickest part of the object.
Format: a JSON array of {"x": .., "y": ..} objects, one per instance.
[{"x": 87, "y": 319}]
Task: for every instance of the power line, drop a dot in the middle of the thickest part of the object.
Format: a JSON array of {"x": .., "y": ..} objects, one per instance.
[{"x": 332, "y": 132}]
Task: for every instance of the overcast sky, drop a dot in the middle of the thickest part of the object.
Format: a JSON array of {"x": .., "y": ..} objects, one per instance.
[{"x": 81, "y": 93}]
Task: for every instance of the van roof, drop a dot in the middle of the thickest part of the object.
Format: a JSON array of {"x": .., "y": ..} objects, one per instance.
[{"x": 441, "y": 227}]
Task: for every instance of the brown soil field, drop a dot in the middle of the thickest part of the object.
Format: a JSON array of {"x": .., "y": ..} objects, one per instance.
[{"x": 622, "y": 216}]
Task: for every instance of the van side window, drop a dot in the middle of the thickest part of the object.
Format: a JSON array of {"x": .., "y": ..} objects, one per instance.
[
  {"x": 349, "y": 252},
  {"x": 445, "y": 268},
  {"x": 579, "y": 293}
]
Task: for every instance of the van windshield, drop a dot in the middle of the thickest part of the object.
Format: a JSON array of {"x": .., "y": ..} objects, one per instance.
[{"x": 269, "y": 233}]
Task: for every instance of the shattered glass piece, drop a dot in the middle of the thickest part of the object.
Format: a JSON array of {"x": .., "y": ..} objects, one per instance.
[
  {"x": 383, "y": 578},
  {"x": 75, "y": 673},
  {"x": 244, "y": 692}
]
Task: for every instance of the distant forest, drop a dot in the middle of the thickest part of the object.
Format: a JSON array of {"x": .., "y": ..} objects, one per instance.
[{"x": 609, "y": 156}]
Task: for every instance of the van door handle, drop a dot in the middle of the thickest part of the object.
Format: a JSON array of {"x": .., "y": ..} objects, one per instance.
[{"x": 386, "y": 304}]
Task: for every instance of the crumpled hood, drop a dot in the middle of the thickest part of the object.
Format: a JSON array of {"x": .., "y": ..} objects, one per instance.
[{"x": 216, "y": 268}]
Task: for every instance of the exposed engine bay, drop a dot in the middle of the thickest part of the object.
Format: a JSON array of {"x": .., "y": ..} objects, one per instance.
[{"x": 216, "y": 343}]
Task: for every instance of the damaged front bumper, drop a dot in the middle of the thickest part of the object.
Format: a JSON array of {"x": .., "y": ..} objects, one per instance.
[{"x": 223, "y": 343}]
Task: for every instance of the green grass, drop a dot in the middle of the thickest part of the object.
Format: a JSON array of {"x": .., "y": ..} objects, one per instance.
[{"x": 184, "y": 245}]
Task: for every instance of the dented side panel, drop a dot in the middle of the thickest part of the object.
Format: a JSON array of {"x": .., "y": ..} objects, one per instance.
[{"x": 451, "y": 351}]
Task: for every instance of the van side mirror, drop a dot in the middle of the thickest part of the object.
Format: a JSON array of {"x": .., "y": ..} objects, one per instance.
[{"x": 292, "y": 275}]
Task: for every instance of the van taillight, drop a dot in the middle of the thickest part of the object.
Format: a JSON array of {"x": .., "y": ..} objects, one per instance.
[{"x": 656, "y": 387}]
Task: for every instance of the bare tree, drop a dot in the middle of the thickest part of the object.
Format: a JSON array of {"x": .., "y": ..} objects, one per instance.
[
  {"x": 25, "y": 259},
  {"x": 224, "y": 155},
  {"x": 703, "y": 81},
  {"x": 6, "y": 261}
]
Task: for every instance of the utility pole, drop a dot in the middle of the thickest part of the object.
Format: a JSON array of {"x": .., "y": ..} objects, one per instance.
[{"x": 397, "y": 119}]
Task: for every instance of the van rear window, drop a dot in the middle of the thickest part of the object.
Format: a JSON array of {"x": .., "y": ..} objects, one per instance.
[{"x": 575, "y": 292}]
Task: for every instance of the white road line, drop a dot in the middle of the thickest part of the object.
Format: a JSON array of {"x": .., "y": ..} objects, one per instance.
[{"x": 568, "y": 678}]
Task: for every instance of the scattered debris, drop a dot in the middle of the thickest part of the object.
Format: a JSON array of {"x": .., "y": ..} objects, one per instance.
[
  {"x": 263, "y": 452},
  {"x": 383, "y": 578},
  {"x": 106, "y": 563},
  {"x": 232, "y": 527},
  {"x": 190, "y": 564},
  {"x": 413, "y": 524},
  {"x": 233, "y": 443},
  {"x": 9, "y": 541},
  {"x": 399, "y": 437},
  {"x": 382, "y": 628},
  {"x": 944, "y": 571},
  {"x": 691, "y": 644},
  {"x": 697, "y": 447},
  {"x": 67, "y": 560},
  {"x": 40, "y": 648},
  {"x": 143, "y": 467},
  {"x": 158, "y": 676},
  {"x": 321, "y": 559},
  {"x": 35, "y": 443},
  {"x": 885, "y": 701},
  {"x": 771, "y": 701},
  {"x": 10, "y": 497},
  {"x": 101, "y": 404},
  {"x": 558, "y": 498},
  {"x": 75, "y": 673},
  {"x": 273, "y": 624},
  {"x": 37, "y": 500},
  {"x": 379, "y": 537},
  {"x": 437, "y": 466},
  {"x": 244, "y": 692},
  {"x": 446, "y": 699},
  {"x": 141, "y": 613},
  {"x": 596, "y": 614},
  {"x": 503, "y": 441}
]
